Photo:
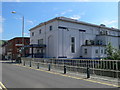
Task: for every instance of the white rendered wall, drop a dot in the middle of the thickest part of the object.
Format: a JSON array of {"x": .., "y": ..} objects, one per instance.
[{"x": 58, "y": 41}]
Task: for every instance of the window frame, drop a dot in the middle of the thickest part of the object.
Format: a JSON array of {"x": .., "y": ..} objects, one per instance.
[
  {"x": 72, "y": 40},
  {"x": 32, "y": 33},
  {"x": 50, "y": 28}
]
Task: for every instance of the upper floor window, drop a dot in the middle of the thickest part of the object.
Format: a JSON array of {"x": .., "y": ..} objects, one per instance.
[
  {"x": 27, "y": 41},
  {"x": 40, "y": 31},
  {"x": 17, "y": 41},
  {"x": 85, "y": 51},
  {"x": 105, "y": 51},
  {"x": 50, "y": 28},
  {"x": 73, "y": 44},
  {"x": 102, "y": 51},
  {"x": 32, "y": 33}
]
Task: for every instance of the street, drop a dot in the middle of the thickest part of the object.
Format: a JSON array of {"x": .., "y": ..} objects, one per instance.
[{"x": 15, "y": 76}]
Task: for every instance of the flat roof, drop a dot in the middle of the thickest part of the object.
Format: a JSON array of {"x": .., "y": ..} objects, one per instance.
[{"x": 73, "y": 21}]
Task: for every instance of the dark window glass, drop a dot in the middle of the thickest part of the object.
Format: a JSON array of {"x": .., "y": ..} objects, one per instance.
[
  {"x": 50, "y": 28},
  {"x": 105, "y": 51},
  {"x": 40, "y": 31},
  {"x": 40, "y": 41},
  {"x": 73, "y": 44},
  {"x": 96, "y": 51},
  {"x": 102, "y": 51},
  {"x": 27, "y": 41},
  {"x": 85, "y": 51},
  {"x": 17, "y": 41},
  {"x": 32, "y": 33}
]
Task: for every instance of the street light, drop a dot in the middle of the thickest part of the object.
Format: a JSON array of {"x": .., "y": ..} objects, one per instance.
[{"x": 14, "y": 12}]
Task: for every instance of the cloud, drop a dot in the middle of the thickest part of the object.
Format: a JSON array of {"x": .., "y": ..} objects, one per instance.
[
  {"x": 114, "y": 26},
  {"x": 18, "y": 18},
  {"x": 13, "y": 0},
  {"x": 26, "y": 20},
  {"x": 82, "y": 0},
  {"x": 27, "y": 34},
  {"x": 2, "y": 19},
  {"x": 60, "y": 0},
  {"x": 77, "y": 17},
  {"x": 67, "y": 11},
  {"x": 1, "y": 29},
  {"x": 30, "y": 22},
  {"x": 109, "y": 22},
  {"x": 63, "y": 13}
]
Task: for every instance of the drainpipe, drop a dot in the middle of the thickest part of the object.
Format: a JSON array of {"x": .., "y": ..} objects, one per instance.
[{"x": 45, "y": 39}]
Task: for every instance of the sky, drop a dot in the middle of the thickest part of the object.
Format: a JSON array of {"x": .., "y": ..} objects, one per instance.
[{"x": 37, "y": 12}]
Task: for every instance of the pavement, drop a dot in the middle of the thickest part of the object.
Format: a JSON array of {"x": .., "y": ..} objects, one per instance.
[{"x": 17, "y": 76}]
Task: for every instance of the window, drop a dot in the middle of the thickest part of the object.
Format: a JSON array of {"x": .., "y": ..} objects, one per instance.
[
  {"x": 32, "y": 33},
  {"x": 40, "y": 31},
  {"x": 50, "y": 28},
  {"x": 105, "y": 51},
  {"x": 17, "y": 41},
  {"x": 96, "y": 51},
  {"x": 102, "y": 51},
  {"x": 27, "y": 41},
  {"x": 85, "y": 51},
  {"x": 73, "y": 44},
  {"x": 40, "y": 41}
]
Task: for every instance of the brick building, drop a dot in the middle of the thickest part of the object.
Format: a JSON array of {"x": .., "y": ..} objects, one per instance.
[{"x": 13, "y": 47}]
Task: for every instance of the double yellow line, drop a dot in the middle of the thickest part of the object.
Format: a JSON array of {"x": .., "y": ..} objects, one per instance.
[
  {"x": 65, "y": 75},
  {"x": 2, "y": 86}
]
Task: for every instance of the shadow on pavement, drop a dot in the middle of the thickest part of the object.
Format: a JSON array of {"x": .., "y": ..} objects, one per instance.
[{"x": 10, "y": 62}]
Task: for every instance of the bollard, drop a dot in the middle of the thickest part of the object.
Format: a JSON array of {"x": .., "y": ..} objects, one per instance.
[
  {"x": 49, "y": 67},
  {"x": 30, "y": 63},
  {"x": 38, "y": 66},
  {"x": 88, "y": 72},
  {"x": 64, "y": 69},
  {"x": 24, "y": 63}
]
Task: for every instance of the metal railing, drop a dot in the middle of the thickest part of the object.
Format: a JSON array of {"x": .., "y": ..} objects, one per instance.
[{"x": 108, "y": 68}]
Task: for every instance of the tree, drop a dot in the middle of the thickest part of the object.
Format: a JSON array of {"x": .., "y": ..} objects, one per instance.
[{"x": 112, "y": 53}]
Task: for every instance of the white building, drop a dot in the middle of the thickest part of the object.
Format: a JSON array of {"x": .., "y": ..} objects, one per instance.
[
  {"x": 68, "y": 38},
  {"x": 119, "y": 14}
]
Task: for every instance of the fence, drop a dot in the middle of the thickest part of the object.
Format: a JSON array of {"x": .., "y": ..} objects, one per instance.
[{"x": 108, "y": 68}]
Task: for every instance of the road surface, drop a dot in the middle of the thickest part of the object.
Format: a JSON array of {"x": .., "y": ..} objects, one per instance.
[{"x": 14, "y": 76}]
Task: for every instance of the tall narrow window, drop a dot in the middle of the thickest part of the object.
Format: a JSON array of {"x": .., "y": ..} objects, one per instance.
[
  {"x": 40, "y": 41},
  {"x": 32, "y": 33},
  {"x": 85, "y": 51},
  {"x": 96, "y": 51},
  {"x": 102, "y": 51},
  {"x": 105, "y": 51},
  {"x": 50, "y": 28},
  {"x": 73, "y": 44},
  {"x": 40, "y": 31}
]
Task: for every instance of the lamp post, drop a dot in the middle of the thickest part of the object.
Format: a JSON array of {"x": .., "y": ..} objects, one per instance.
[{"x": 14, "y": 12}]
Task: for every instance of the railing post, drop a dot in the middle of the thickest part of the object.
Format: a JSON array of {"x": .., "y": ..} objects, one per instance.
[
  {"x": 64, "y": 69},
  {"x": 88, "y": 71},
  {"x": 30, "y": 63},
  {"x": 24, "y": 63},
  {"x": 117, "y": 69},
  {"x": 38, "y": 66},
  {"x": 49, "y": 67}
]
